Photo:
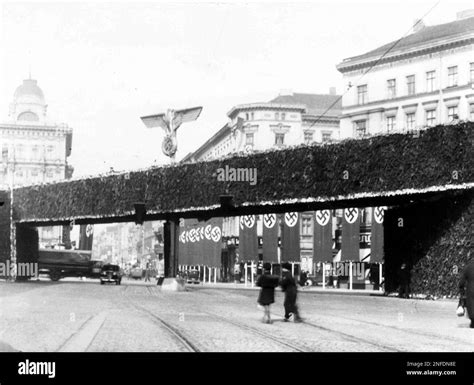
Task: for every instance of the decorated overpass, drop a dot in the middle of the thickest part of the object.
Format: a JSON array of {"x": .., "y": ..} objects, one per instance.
[{"x": 430, "y": 170}]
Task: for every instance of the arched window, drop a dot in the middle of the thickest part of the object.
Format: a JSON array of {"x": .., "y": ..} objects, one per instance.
[{"x": 28, "y": 116}]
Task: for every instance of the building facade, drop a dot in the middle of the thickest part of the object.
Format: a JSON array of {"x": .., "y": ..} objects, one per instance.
[
  {"x": 287, "y": 120},
  {"x": 425, "y": 79},
  {"x": 34, "y": 149}
]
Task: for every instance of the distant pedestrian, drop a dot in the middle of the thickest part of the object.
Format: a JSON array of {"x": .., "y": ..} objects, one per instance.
[
  {"x": 147, "y": 273},
  {"x": 267, "y": 282},
  {"x": 466, "y": 286},
  {"x": 404, "y": 277},
  {"x": 288, "y": 285}
]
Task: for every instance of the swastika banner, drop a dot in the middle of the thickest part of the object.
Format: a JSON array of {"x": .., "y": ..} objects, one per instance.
[
  {"x": 200, "y": 243},
  {"x": 290, "y": 237},
  {"x": 350, "y": 234},
  {"x": 270, "y": 237},
  {"x": 377, "y": 239},
  {"x": 322, "y": 241},
  {"x": 248, "y": 240}
]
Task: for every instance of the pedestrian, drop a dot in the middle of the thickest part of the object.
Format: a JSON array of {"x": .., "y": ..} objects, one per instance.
[
  {"x": 404, "y": 276},
  {"x": 147, "y": 273},
  {"x": 466, "y": 287},
  {"x": 266, "y": 297},
  {"x": 288, "y": 285}
]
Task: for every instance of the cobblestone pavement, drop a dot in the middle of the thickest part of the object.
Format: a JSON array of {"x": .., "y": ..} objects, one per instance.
[{"x": 74, "y": 315}]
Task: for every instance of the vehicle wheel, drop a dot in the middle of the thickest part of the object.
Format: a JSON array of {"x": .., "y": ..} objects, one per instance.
[
  {"x": 55, "y": 276},
  {"x": 101, "y": 282}
]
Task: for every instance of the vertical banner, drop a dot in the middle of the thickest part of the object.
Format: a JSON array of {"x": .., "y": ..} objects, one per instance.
[
  {"x": 322, "y": 240},
  {"x": 212, "y": 250},
  {"x": 201, "y": 242},
  {"x": 376, "y": 239},
  {"x": 86, "y": 234},
  {"x": 248, "y": 239},
  {"x": 290, "y": 238},
  {"x": 350, "y": 234},
  {"x": 270, "y": 238}
]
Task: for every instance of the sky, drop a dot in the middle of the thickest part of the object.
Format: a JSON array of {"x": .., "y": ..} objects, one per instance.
[{"x": 102, "y": 65}]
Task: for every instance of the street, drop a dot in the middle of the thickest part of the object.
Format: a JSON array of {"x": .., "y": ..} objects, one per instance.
[{"x": 75, "y": 316}]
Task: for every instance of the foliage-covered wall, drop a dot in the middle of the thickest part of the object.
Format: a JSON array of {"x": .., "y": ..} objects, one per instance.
[
  {"x": 439, "y": 156},
  {"x": 4, "y": 226},
  {"x": 435, "y": 239}
]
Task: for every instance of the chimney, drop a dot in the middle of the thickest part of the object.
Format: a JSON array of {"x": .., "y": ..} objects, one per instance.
[
  {"x": 465, "y": 14},
  {"x": 418, "y": 25},
  {"x": 332, "y": 90}
]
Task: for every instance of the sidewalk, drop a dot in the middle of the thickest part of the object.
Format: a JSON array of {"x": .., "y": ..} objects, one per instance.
[{"x": 305, "y": 289}]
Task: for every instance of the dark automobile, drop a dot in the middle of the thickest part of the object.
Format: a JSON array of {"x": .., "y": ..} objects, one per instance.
[
  {"x": 110, "y": 273},
  {"x": 192, "y": 276}
]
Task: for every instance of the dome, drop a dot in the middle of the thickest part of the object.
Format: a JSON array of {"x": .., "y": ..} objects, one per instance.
[{"x": 29, "y": 90}]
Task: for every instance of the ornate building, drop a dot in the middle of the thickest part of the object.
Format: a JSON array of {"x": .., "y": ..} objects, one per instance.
[
  {"x": 427, "y": 78},
  {"x": 34, "y": 149},
  {"x": 287, "y": 120}
]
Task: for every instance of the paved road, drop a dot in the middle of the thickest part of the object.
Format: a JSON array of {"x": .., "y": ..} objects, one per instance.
[{"x": 73, "y": 315}]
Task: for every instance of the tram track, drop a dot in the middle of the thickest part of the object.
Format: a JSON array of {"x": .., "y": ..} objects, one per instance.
[
  {"x": 406, "y": 331},
  {"x": 255, "y": 330},
  {"x": 174, "y": 332},
  {"x": 349, "y": 337}
]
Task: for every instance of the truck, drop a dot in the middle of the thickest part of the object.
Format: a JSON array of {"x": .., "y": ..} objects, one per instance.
[{"x": 67, "y": 263}]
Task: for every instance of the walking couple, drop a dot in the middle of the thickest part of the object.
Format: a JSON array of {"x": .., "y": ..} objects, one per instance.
[{"x": 268, "y": 282}]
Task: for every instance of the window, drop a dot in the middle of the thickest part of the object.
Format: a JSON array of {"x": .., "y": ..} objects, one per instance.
[
  {"x": 391, "y": 125},
  {"x": 5, "y": 152},
  {"x": 471, "y": 73},
  {"x": 411, "y": 85},
  {"x": 34, "y": 172},
  {"x": 360, "y": 128},
  {"x": 252, "y": 116},
  {"x": 246, "y": 116},
  {"x": 411, "y": 121},
  {"x": 308, "y": 137},
  {"x": 326, "y": 136},
  {"x": 249, "y": 138},
  {"x": 35, "y": 151},
  {"x": 306, "y": 226},
  {"x": 430, "y": 118},
  {"x": 362, "y": 94},
  {"x": 277, "y": 116},
  {"x": 392, "y": 88},
  {"x": 452, "y": 113},
  {"x": 430, "y": 81},
  {"x": 283, "y": 115},
  {"x": 453, "y": 76},
  {"x": 279, "y": 139},
  {"x": 471, "y": 114}
]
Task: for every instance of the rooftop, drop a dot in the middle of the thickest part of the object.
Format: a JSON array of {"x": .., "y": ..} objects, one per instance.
[
  {"x": 316, "y": 104},
  {"x": 428, "y": 35}
]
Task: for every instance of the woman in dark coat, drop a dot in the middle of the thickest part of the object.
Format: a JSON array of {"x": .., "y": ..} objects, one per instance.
[
  {"x": 288, "y": 285},
  {"x": 267, "y": 282},
  {"x": 466, "y": 287}
]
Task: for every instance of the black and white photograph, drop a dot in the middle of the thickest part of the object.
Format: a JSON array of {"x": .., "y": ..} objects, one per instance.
[{"x": 293, "y": 181}]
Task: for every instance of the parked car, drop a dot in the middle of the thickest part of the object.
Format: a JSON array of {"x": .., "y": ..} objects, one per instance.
[
  {"x": 111, "y": 273},
  {"x": 192, "y": 276},
  {"x": 136, "y": 273}
]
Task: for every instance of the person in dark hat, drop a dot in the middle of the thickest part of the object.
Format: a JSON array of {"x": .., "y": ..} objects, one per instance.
[
  {"x": 288, "y": 285},
  {"x": 266, "y": 297},
  {"x": 466, "y": 287}
]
